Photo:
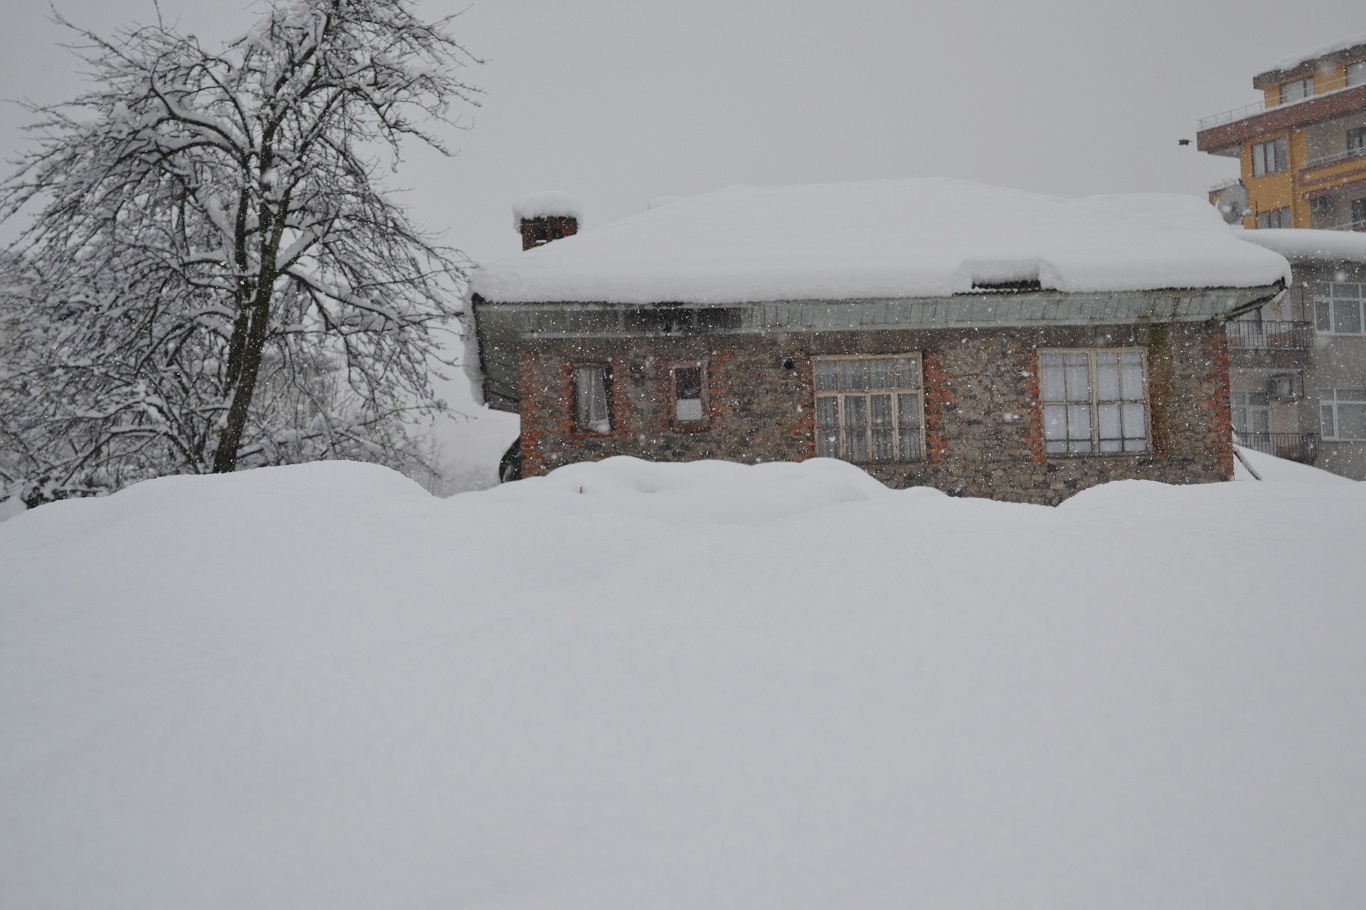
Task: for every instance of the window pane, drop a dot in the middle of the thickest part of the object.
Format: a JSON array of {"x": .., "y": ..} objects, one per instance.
[
  {"x": 1107, "y": 421},
  {"x": 688, "y": 410},
  {"x": 881, "y": 408},
  {"x": 828, "y": 443},
  {"x": 1239, "y": 419},
  {"x": 882, "y": 374},
  {"x": 1323, "y": 316},
  {"x": 1356, "y": 73},
  {"x": 853, "y": 374},
  {"x": 1326, "y": 424},
  {"x": 908, "y": 410},
  {"x": 1347, "y": 316},
  {"x": 688, "y": 382},
  {"x": 1282, "y": 157},
  {"x": 1107, "y": 377},
  {"x": 1079, "y": 422},
  {"x": 1135, "y": 422},
  {"x": 1050, "y": 379},
  {"x": 1133, "y": 378},
  {"x": 1054, "y": 421},
  {"x": 1259, "y": 420},
  {"x": 907, "y": 373},
  {"x": 1352, "y": 421},
  {"x": 856, "y": 428},
  {"x": 884, "y": 451},
  {"x": 1078, "y": 382},
  {"x": 827, "y": 375},
  {"x": 828, "y": 413},
  {"x": 910, "y": 444}
]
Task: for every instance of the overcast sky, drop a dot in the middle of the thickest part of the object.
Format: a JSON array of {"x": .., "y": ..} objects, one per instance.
[{"x": 619, "y": 101}]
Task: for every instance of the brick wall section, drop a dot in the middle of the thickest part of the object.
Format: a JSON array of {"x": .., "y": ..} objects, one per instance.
[{"x": 984, "y": 426}]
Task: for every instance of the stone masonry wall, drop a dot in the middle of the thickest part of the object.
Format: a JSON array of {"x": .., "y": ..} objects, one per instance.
[{"x": 983, "y": 421}]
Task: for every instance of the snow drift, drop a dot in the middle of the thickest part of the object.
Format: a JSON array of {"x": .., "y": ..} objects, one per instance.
[{"x": 675, "y": 686}]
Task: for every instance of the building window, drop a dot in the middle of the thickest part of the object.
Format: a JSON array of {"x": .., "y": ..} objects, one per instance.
[
  {"x": 1338, "y": 308},
  {"x": 1251, "y": 414},
  {"x": 1356, "y": 73},
  {"x": 1297, "y": 90},
  {"x": 1342, "y": 414},
  {"x": 1358, "y": 214},
  {"x": 1270, "y": 157},
  {"x": 590, "y": 399},
  {"x": 1356, "y": 142},
  {"x": 689, "y": 396},
  {"x": 868, "y": 409},
  {"x": 1276, "y": 218},
  {"x": 1094, "y": 401}
]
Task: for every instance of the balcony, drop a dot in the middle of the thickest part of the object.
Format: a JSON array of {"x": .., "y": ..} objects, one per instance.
[
  {"x": 1224, "y": 132},
  {"x": 1330, "y": 87},
  {"x": 1301, "y": 447},
  {"x": 1267, "y": 335}
]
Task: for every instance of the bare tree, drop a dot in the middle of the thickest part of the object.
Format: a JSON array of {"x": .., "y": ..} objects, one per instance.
[{"x": 215, "y": 273}]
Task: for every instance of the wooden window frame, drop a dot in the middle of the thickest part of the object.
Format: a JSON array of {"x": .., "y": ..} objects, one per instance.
[
  {"x": 1095, "y": 401},
  {"x": 689, "y": 426},
  {"x": 592, "y": 427},
  {"x": 842, "y": 395}
]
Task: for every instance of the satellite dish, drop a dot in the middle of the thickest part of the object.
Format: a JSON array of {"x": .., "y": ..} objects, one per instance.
[{"x": 1231, "y": 202}]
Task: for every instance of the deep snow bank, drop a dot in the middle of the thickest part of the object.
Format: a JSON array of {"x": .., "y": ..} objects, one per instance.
[{"x": 682, "y": 686}]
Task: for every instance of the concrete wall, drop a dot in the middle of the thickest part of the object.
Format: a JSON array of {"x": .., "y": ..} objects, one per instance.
[{"x": 983, "y": 422}]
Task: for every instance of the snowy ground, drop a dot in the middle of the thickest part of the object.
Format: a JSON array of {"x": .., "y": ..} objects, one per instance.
[{"x": 682, "y": 686}]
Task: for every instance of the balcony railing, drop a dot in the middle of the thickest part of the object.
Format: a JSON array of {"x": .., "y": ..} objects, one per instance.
[
  {"x": 1335, "y": 158},
  {"x": 1357, "y": 225},
  {"x": 1249, "y": 110},
  {"x": 1270, "y": 335},
  {"x": 1301, "y": 447}
]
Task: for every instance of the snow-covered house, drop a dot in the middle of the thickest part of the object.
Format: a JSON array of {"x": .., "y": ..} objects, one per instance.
[{"x": 985, "y": 341}]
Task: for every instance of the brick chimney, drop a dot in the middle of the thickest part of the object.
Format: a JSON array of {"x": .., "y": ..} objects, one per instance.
[{"x": 546, "y": 216}]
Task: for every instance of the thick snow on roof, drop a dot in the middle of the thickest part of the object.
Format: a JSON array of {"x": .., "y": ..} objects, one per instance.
[
  {"x": 1289, "y": 63},
  {"x": 896, "y": 238},
  {"x": 1302, "y": 243},
  {"x": 545, "y": 204}
]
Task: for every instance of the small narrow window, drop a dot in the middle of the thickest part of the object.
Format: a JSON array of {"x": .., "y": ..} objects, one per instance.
[
  {"x": 1270, "y": 157},
  {"x": 590, "y": 399},
  {"x": 1356, "y": 73},
  {"x": 689, "y": 388}
]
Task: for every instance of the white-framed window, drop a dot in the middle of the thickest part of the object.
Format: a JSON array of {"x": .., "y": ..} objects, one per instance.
[
  {"x": 1356, "y": 73},
  {"x": 1342, "y": 414},
  {"x": 868, "y": 408},
  {"x": 1339, "y": 308},
  {"x": 1270, "y": 157},
  {"x": 1095, "y": 401},
  {"x": 1297, "y": 89},
  {"x": 1356, "y": 141},
  {"x": 688, "y": 383},
  {"x": 1276, "y": 218},
  {"x": 591, "y": 413},
  {"x": 1251, "y": 413}
]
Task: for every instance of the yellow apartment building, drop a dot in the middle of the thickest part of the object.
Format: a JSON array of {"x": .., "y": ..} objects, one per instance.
[{"x": 1302, "y": 148}]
